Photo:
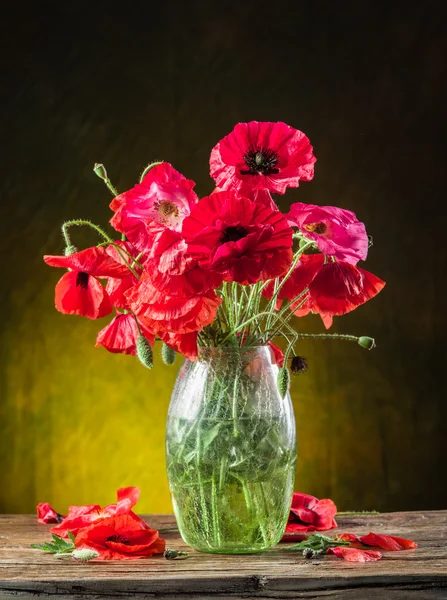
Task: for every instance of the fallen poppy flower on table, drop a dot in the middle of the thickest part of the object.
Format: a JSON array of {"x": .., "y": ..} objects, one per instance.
[
  {"x": 83, "y": 516},
  {"x": 308, "y": 513},
  {"x": 47, "y": 514},
  {"x": 121, "y": 537}
]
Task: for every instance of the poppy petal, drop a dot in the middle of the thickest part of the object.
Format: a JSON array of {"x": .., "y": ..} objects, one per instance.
[
  {"x": 387, "y": 542},
  {"x": 354, "y": 554},
  {"x": 93, "y": 261},
  {"x": 47, "y": 514}
]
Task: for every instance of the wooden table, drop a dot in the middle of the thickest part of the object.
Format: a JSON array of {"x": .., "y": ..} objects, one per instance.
[{"x": 414, "y": 574}]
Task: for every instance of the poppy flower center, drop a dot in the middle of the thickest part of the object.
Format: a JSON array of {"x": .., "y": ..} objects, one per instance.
[
  {"x": 166, "y": 208},
  {"x": 82, "y": 280},
  {"x": 260, "y": 161},
  {"x": 118, "y": 538},
  {"x": 233, "y": 234},
  {"x": 318, "y": 228}
]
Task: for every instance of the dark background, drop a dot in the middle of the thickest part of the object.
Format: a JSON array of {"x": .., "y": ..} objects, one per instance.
[{"x": 365, "y": 81}]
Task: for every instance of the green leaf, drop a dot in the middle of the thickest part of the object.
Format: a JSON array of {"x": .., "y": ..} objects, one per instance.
[
  {"x": 57, "y": 546},
  {"x": 319, "y": 543},
  {"x": 71, "y": 536}
]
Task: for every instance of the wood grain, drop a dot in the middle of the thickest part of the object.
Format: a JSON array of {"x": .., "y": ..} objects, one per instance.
[{"x": 280, "y": 573}]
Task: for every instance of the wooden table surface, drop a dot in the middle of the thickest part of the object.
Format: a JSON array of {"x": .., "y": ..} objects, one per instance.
[{"x": 414, "y": 574}]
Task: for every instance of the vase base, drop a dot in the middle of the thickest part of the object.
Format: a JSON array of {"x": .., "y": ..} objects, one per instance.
[{"x": 232, "y": 550}]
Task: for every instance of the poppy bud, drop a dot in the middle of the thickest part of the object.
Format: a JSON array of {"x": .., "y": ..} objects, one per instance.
[
  {"x": 283, "y": 381},
  {"x": 100, "y": 171},
  {"x": 144, "y": 352},
  {"x": 366, "y": 342},
  {"x": 168, "y": 354},
  {"x": 173, "y": 554},
  {"x": 299, "y": 365},
  {"x": 70, "y": 249},
  {"x": 85, "y": 554}
]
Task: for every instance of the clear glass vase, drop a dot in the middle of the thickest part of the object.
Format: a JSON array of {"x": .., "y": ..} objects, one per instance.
[{"x": 231, "y": 451}]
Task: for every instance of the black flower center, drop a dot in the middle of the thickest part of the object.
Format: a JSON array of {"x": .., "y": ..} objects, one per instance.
[
  {"x": 260, "y": 161},
  {"x": 233, "y": 234},
  {"x": 118, "y": 538},
  {"x": 82, "y": 280}
]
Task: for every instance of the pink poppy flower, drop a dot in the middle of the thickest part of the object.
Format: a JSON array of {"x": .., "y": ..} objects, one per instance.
[
  {"x": 164, "y": 196},
  {"x": 262, "y": 156},
  {"x": 337, "y": 232}
]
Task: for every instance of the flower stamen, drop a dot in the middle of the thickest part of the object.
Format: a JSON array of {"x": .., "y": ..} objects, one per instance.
[
  {"x": 260, "y": 161},
  {"x": 318, "y": 228},
  {"x": 82, "y": 280},
  {"x": 233, "y": 234}
]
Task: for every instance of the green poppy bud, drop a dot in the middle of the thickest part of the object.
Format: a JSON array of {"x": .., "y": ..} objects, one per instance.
[
  {"x": 174, "y": 554},
  {"x": 366, "y": 342},
  {"x": 144, "y": 352},
  {"x": 168, "y": 355},
  {"x": 100, "y": 171},
  {"x": 70, "y": 249},
  {"x": 85, "y": 554},
  {"x": 283, "y": 381}
]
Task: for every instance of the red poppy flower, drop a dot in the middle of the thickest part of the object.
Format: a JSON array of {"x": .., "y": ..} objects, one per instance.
[
  {"x": 244, "y": 241},
  {"x": 307, "y": 513},
  {"x": 300, "y": 278},
  {"x": 116, "y": 287},
  {"x": 121, "y": 537},
  {"x": 121, "y": 334},
  {"x": 47, "y": 514},
  {"x": 339, "y": 288},
  {"x": 184, "y": 343},
  {"x": 256, "y": 156},
  {"x": 354, "y": 554},
  {"x": 83, "y": 516},
  {"x": 172, "y": 268},
  {"x": 164, "y": 196},
  {"x": 79, "y": 292},
  {"x": 161, "y": 313},
  {"x": 387, "y": 542}
]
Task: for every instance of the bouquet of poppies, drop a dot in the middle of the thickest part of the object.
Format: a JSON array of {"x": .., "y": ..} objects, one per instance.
[{"x": 229, "y": 269}]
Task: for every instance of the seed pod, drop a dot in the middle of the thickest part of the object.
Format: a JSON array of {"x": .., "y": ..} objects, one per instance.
[
  {"x": 85, "y": 554},
  {"x": 283, "y": 381},
  {"x": 366, "y": 342},
  {"x": 144, "y": 352},
  {"x": 100, "y": 171},
  {"x": 168, "y": 355}
]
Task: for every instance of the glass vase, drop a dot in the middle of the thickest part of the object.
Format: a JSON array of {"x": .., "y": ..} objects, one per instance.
[{"x": 231, "y": 451}]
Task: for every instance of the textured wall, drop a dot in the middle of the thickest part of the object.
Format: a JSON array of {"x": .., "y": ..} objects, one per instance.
[{"x": 364, "y": 81}]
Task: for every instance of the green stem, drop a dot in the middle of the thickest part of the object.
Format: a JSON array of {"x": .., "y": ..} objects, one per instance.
[
  {"x": 295, "y": 260},
  {"x": 215, "y": 511},
  {"x": 149, "y": 167},
  {"x": 103, "y": 234},
  {"x": 325, "y": 336},
  {"x": 234, "y": 403},
  {"x": 244, "y": 324}
]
